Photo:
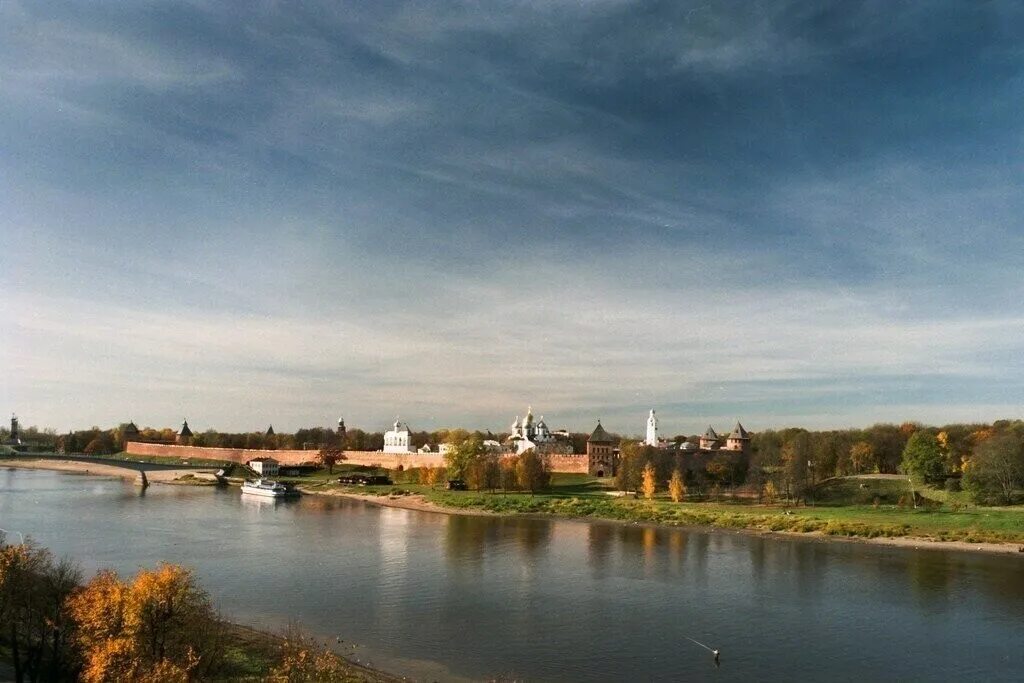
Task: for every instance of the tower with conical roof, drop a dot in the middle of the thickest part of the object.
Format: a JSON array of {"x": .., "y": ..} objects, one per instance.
[
  {"x": 184, "y": 437},
  {"x": 738, "y": 440},
  {"x": 600, "y": 453},
  {"x": 709, "y": 440}
]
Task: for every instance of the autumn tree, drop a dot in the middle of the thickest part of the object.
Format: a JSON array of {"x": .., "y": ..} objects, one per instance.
[
  {"x": 328, "y": 457},
  {"x": 676, "y": 486},
  {"x": 862, "y": 457},
  {"x": 159, "y": 627},
  {"x": 33, "y": 619},
  {"x": 996, "y": 470},
  {"x": 649, "y": 484},
  {"x": 304, "y": 660},
  {"x": 796, "y": 454},
  {"x": 532, "y": 471}
]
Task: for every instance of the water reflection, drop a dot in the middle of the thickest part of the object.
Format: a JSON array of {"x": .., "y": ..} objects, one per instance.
[{"x": 443, "y": 596}]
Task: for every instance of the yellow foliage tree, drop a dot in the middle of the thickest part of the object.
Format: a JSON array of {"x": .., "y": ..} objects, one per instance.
[
  {"x": 862, "y": 456},
  {"x": 303, "y": 659},
  {"x": 160, "y": 627},
  {"x": 676, "y": 486},
  {"x": 770, "y": 493},
  {"x": 649, "y": 485}
]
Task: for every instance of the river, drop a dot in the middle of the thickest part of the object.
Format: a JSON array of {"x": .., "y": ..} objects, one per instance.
[{"x": 446, "y": 597}]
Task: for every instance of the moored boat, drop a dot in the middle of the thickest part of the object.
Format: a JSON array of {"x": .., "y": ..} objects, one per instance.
[{"x": 266, "y": 488}]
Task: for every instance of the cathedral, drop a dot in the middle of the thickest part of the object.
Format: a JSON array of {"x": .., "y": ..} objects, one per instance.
[{"x": 527, "y": 434}]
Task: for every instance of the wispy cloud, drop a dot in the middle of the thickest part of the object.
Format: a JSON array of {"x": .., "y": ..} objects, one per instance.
[{"x": 771, "y": 211}]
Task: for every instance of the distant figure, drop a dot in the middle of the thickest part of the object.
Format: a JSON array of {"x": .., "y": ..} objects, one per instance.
[{"x": 716, "y": 653}]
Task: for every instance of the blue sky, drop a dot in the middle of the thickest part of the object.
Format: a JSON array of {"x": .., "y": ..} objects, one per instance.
[{"x": 784, "y": 212}]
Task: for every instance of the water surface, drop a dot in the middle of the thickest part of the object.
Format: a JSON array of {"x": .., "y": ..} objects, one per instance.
[{"x": 444, "y": 597}]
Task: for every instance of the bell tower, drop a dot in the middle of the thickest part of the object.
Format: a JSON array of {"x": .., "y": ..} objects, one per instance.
[{"x": 652, "y": 430}]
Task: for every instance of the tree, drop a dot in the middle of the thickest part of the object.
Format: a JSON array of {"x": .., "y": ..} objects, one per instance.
[
  {"x": 464, "y": 449},
  {"x": 996, "y": 469},
  {"x": 484, "y": 472},
  {"x": 676, "y": 487},
  {"x": 33, "y": 619},
  {"x": 862, "y": 457},
  {"x": 159, "y": 627},
  {"x": 328, "y": 457},
  {"x": 796, "y": 454},
  {"x": 922, "y": 457},
  {"x": 532, "y": 471},
  {"x": 649, "y": 484},
  {"x": 303, "y": 659}
]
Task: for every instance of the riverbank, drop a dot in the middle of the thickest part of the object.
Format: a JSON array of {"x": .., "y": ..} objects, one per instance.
[
  {"x": 921, "y": 529},
  {"x": 156, "y": 476}
]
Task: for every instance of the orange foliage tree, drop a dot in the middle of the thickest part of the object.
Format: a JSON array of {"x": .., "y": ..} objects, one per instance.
[{"x": 159, "y": 627}]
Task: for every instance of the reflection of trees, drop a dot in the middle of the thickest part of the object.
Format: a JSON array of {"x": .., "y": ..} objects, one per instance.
[
  {"x": 600, "y": 538},
  {"x": 533, "y": 536},
  {"x": 930, "y": 576},
  {"x": 465, "y": 540}
]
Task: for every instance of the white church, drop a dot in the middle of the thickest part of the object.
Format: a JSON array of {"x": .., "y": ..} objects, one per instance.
[{"x": 398, "y": 439}]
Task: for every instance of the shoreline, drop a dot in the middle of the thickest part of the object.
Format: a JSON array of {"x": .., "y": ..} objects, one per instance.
[
  {"x": 419, "y": 503},
  {"x": 158, "y": 476}
]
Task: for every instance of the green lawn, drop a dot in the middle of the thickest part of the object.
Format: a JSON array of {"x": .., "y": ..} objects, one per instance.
[{"x": 843, "y": 507}]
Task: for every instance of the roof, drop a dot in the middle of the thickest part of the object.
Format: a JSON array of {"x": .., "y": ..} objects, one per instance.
[
  {"x": 263, "y": 458},
  {"x": 738, "y": 432},
  {"x": 185, "y": 431},
  {"x": 270, "y": 430},
  {"x": 709, "y": 433},
  {"x": 131, "y": 428},
  {"x": 599, "y": 435}
]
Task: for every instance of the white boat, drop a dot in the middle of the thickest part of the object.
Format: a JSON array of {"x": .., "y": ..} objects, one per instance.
[{"x": 266, "y": 488}]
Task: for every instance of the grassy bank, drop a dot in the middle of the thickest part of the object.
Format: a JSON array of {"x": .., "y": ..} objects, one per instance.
[
  {"x": 252, "y": 655},
  {"x": 866, "y": 508}
]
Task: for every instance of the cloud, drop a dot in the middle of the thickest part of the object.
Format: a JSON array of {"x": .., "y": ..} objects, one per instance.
[{"x": 770, "y": 211}]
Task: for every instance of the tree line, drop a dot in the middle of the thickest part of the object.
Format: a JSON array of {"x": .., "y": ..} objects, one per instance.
[{"x": 987, "y": 460}]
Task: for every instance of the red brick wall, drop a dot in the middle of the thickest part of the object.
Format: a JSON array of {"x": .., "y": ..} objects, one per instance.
[
  {"x": 568, "y": 463},
  {"x": 558, "y": 463},
  {"x": 285, "y": 457}
]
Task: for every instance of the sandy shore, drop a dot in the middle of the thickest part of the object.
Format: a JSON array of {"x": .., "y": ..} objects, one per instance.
[
  {"x": 78, "y": 467},
  {"x": 410, "y": 502}
]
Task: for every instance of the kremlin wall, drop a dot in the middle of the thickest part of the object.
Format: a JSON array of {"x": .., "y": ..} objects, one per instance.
[{"x": 577, "y": 463}]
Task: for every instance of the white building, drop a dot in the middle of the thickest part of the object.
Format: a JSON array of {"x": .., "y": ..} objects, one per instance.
[
  {"x": 652, "y": 430},
  {"x": 265, "y": 467},
  {"x": 527, "y": 434},
  {"x": 397, "y": 439}
]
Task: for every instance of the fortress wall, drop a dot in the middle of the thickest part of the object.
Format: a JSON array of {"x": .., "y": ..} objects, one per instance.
[
  {"x": 285, "y": 457},
  {"x": 558, "y": 463},
  {"x": 240, "y": 455},
  {"x": 576, "y": 464}
]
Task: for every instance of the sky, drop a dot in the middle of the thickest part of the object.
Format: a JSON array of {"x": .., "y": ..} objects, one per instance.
[{"x": 785, "y": 213}]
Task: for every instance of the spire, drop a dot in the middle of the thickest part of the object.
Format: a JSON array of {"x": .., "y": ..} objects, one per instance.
[
  {"x": 739, "y": 432},
  {"x": 185, "y": 431},
  {"x": 599, "y": 435}
]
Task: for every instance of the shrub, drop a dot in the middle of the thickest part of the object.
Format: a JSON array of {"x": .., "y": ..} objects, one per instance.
[{"x": 952, "y": 484}]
